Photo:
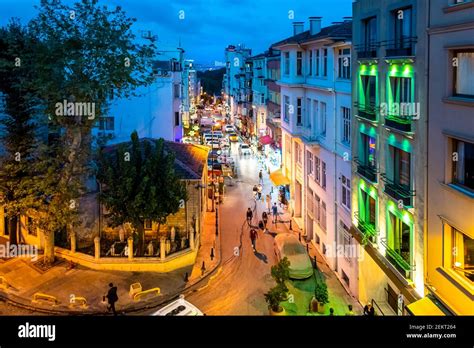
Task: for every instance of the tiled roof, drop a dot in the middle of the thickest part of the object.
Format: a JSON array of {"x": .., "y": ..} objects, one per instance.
[
  {"x": 336, "y": 31},
  {"x": 190, "y": 159}
]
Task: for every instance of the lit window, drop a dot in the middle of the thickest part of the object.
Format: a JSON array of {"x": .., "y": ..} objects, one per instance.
[{"x": 463, "y": 254}]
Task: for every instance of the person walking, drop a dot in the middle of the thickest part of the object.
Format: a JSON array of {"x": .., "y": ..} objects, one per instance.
[
  {"x": 351, "y": 312},
  {"x": 249, "y": 216},
  {"x": 331, "y": 312},
  {"x": 253, "y": 238},
  {"x": 259, "y": 191},
  {"x": 265, "y": 218},
  {"x": 269, "y": 203},
  {"x": 261, "y": 225},
  {"x": 275, "y": 213},
  {"x": 260, "y": 177},
  {"x": 255, "y": 191},
  {"x": 369, "y": 310},
  {"x": 112, "y": 298}
]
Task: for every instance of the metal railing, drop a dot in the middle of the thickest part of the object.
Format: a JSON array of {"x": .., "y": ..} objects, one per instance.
[
  {"x": 367, "y": 229},
  {"x": 366, "y": 110},
  {"x": 398, "y": 191},
  {"x": 367, "y": 171},
  {"x": 367, "y": 50},
  {"x": 400, "y": 47},
  {"x": 394, "y": 257}
]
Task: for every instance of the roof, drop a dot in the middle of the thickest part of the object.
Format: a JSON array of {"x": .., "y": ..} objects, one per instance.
[
  {"x": 189, "y": 161},
  {"x": 336, "y": 32}
]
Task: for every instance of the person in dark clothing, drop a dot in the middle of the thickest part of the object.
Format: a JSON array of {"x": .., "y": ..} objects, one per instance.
[
  {"x": 249, "y": 216},
  {"x": 275, "y": 212},
  {"x": 265, "y": 218},
  {"x": 369, "y": 310},
  {"x": 260, "y": 177},
  {"x": 112, "y": 298},
  {"x": 331, "y": 311},
  {"x": 260, "y": 225},
  {"x": 253, "y": 238}
]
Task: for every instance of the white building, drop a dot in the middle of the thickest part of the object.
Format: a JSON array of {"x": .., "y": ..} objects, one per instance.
[{"x": 316, "y": 136}]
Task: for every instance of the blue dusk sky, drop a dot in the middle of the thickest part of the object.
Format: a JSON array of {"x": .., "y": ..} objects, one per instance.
[{"x": 209, "y": 26}]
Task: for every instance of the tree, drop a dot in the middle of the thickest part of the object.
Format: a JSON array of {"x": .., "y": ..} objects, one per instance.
[
  {"x": 139, "y": 183},
  {"x": 280, "y": 273},
  {"x": 87, "y": 54},
  {"x": 18, "y": 123}
]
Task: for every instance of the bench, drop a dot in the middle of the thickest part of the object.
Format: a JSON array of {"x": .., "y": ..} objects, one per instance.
[
  {"x": 147, "y": 294},
  {"x": 44, "y": 298},
  {"x": 77, "y": 301}
]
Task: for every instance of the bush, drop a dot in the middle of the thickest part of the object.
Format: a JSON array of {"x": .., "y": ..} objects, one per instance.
[
  {"x": 281, "y": 271},
  {"x": 321, "y": 292},
  {"x": 276, "y": 295}
]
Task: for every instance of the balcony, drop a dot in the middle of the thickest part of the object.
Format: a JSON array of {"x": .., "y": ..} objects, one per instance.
[
  {"x": 367, "y": 51},
  {"x": 400, "y": 47},
  {"x": 367, "y": 171},
  {"x": 397, "y": 260},
  {"x": 366, "y": 228},
  {"x": 367, "y": 111},
  {"x": 397, "y": 191},
  {"x": 401, "y": 118}
]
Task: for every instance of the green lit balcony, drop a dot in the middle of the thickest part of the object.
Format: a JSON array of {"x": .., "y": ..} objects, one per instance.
[
  {"x": 401, "y": 123},
  {"x": 399, "y": 192},
  {"x": 366, "y": 228},
  {"x": 367, "y": 171},
  {"x": 366, "y": 110},
  {"x": 400, "y": 260}
]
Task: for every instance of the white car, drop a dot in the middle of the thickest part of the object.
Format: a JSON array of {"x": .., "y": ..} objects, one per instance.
[
  {"x": 214, "y": 144},
  {"x": 244, "y": 149},
  {"x": 178, "y": 308},
  {"x": 287, "y": 245},
  {"x": 229, "y": 128}
]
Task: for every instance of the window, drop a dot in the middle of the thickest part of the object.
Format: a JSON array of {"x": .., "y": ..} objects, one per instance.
[
  {"x": 286, "y": 62},
  {"x": 367, "y": 209},
  {"x": 317, "y": 72},
  {"x": 322, "y": 116},
  {"x": 463, "y": 254},
  {"x": 31, "y": 228},
  {"x": 401, "y": 89},
  {"x": 346, "y": 125},
  {"x": 308, "y": 113},
  {"x": 299, "y": 63},
  {"x": 288, "y": 144},
  {"x": 368, "y": 84},
  {"x": 463, "y": 167},
  {"x": 345, "y": 238},
  {"x": 176, "y": 118},
  {"x": 323, "y": 216},
  {"x": 323, "y": 174},
  {"x": 106, "y": 123},
  {"x": 314, "y": 115},
  {"x": 403, "y": 29},
  {"x": 286, "y": 114},
  {"x": 310, "y": 163},
  {"x": 310, "y": 63},
  {"x": 310, "y": 203},
  {"x": 299, "y": 111},
  {"x": 401, "y": 167},
  {"x": 317, "y": 170},
  {"x": 344, "y": 63},
  {"x": 464, "y": 73},
  {"x": 368, "y": 150},
  {"x": 299, "y": 153},
  {"x": 148, "y": 224},
  {"x": 346, "y": 192},
  {"x": 370, "y": 33},
  {"x": 325, "y": 62},
  {"x": 317, "y": 208},
  {"x": 262, "y": 99},
  {"x": 399, "y": 241},
  {"x": 176, "y": 90}
]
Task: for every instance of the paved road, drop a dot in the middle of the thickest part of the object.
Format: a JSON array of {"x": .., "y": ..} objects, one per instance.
[{"x": 244, "y": 278}]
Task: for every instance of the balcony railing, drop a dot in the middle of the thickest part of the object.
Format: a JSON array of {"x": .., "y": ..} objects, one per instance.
[
  {"x": 367, "y": 171},
  {"x": 366, "y": 228},
  {"x": 400, "y": 47},
  {"x": 402, "y": 119},
  {"x": 366, "y": 110},
  {"x": 397, "y": 191},
  {"x": 397, "y": 260},
  {"x": 367, "y": 50}
]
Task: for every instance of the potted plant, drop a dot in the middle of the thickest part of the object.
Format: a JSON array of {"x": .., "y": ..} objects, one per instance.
[
  {"x": 320, "y": 298},
  {"x": 274, "y": 296}
]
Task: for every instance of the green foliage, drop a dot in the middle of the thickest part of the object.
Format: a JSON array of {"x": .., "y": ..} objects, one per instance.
[
  {"x": 139, "y": 182},
  {"x": 321, "y": 292},
  {"x": 276, "y": 295},
  {"x": 281, "y": 271}
]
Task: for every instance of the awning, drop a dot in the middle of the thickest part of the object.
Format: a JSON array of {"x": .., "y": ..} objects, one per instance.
[
  {"x": 278, "y": 178},
  {"x": 425, "y": 306},
  {"x": 265, "y": 140}
]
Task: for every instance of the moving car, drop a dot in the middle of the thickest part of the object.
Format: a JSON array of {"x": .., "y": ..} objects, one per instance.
[
  {"x": 287, "y": 245},
  {"x": 179, "y": 307},
  {"x": 233, "y": 137},
  {"x": 229, "y": 129},
  {"x": 213, "y": 144},
  {"x": 244, "y": 149}
]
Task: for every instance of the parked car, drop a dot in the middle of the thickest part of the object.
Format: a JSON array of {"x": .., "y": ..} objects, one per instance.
[
  {"x": 244, "y": 150},
  {"x": 287, "y": 245},
  {"x": 233, "y": 137},
  {"x": 229, "y": 129},
  {"x": 214, "y": 144},
  {"x": 179, "y": 307}
]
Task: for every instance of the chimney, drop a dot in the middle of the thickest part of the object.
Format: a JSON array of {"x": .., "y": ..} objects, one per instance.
[
  {"x": 315, "y": 25},
  {"x": 298, "y": 28}
]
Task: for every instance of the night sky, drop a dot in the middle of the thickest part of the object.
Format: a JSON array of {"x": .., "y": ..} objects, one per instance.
[{"x": 210, "y": 25}]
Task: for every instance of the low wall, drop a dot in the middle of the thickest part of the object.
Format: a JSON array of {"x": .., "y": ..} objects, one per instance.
[{"x": 137, "y": 264}]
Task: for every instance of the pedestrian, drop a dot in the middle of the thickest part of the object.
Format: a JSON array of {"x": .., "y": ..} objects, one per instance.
[
  {"x": 253, "y": 238},
  {"x": 331, "y": 312},
  {"x": 255, "y": 191},
  {"x": 261, "y": 225},
  {"x": 351, "y": 313},
  {"x": 265, "y": 218},
  {"x": 369, "y": 310},
  {"x": 249, "y": 216},
  {"x": 269, "y": 203},
  {"x": 112, "y": 298},
  {"x": 259, "y": 191},
  {"x": 275, "y": 212},
  {"x": 260, "y": 176}
]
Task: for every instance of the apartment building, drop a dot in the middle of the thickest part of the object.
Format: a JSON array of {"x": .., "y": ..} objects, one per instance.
[
  {"x": 449, "y": 252},
  {"x": 190, "y": 94},
  {"x": 316, "y": 135},
  {"x": 389, "y": 148},
  {"x": 259, "y": 91}
]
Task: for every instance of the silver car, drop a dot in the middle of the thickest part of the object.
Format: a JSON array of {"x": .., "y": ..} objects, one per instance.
[{"x": 287, "y": 245}]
